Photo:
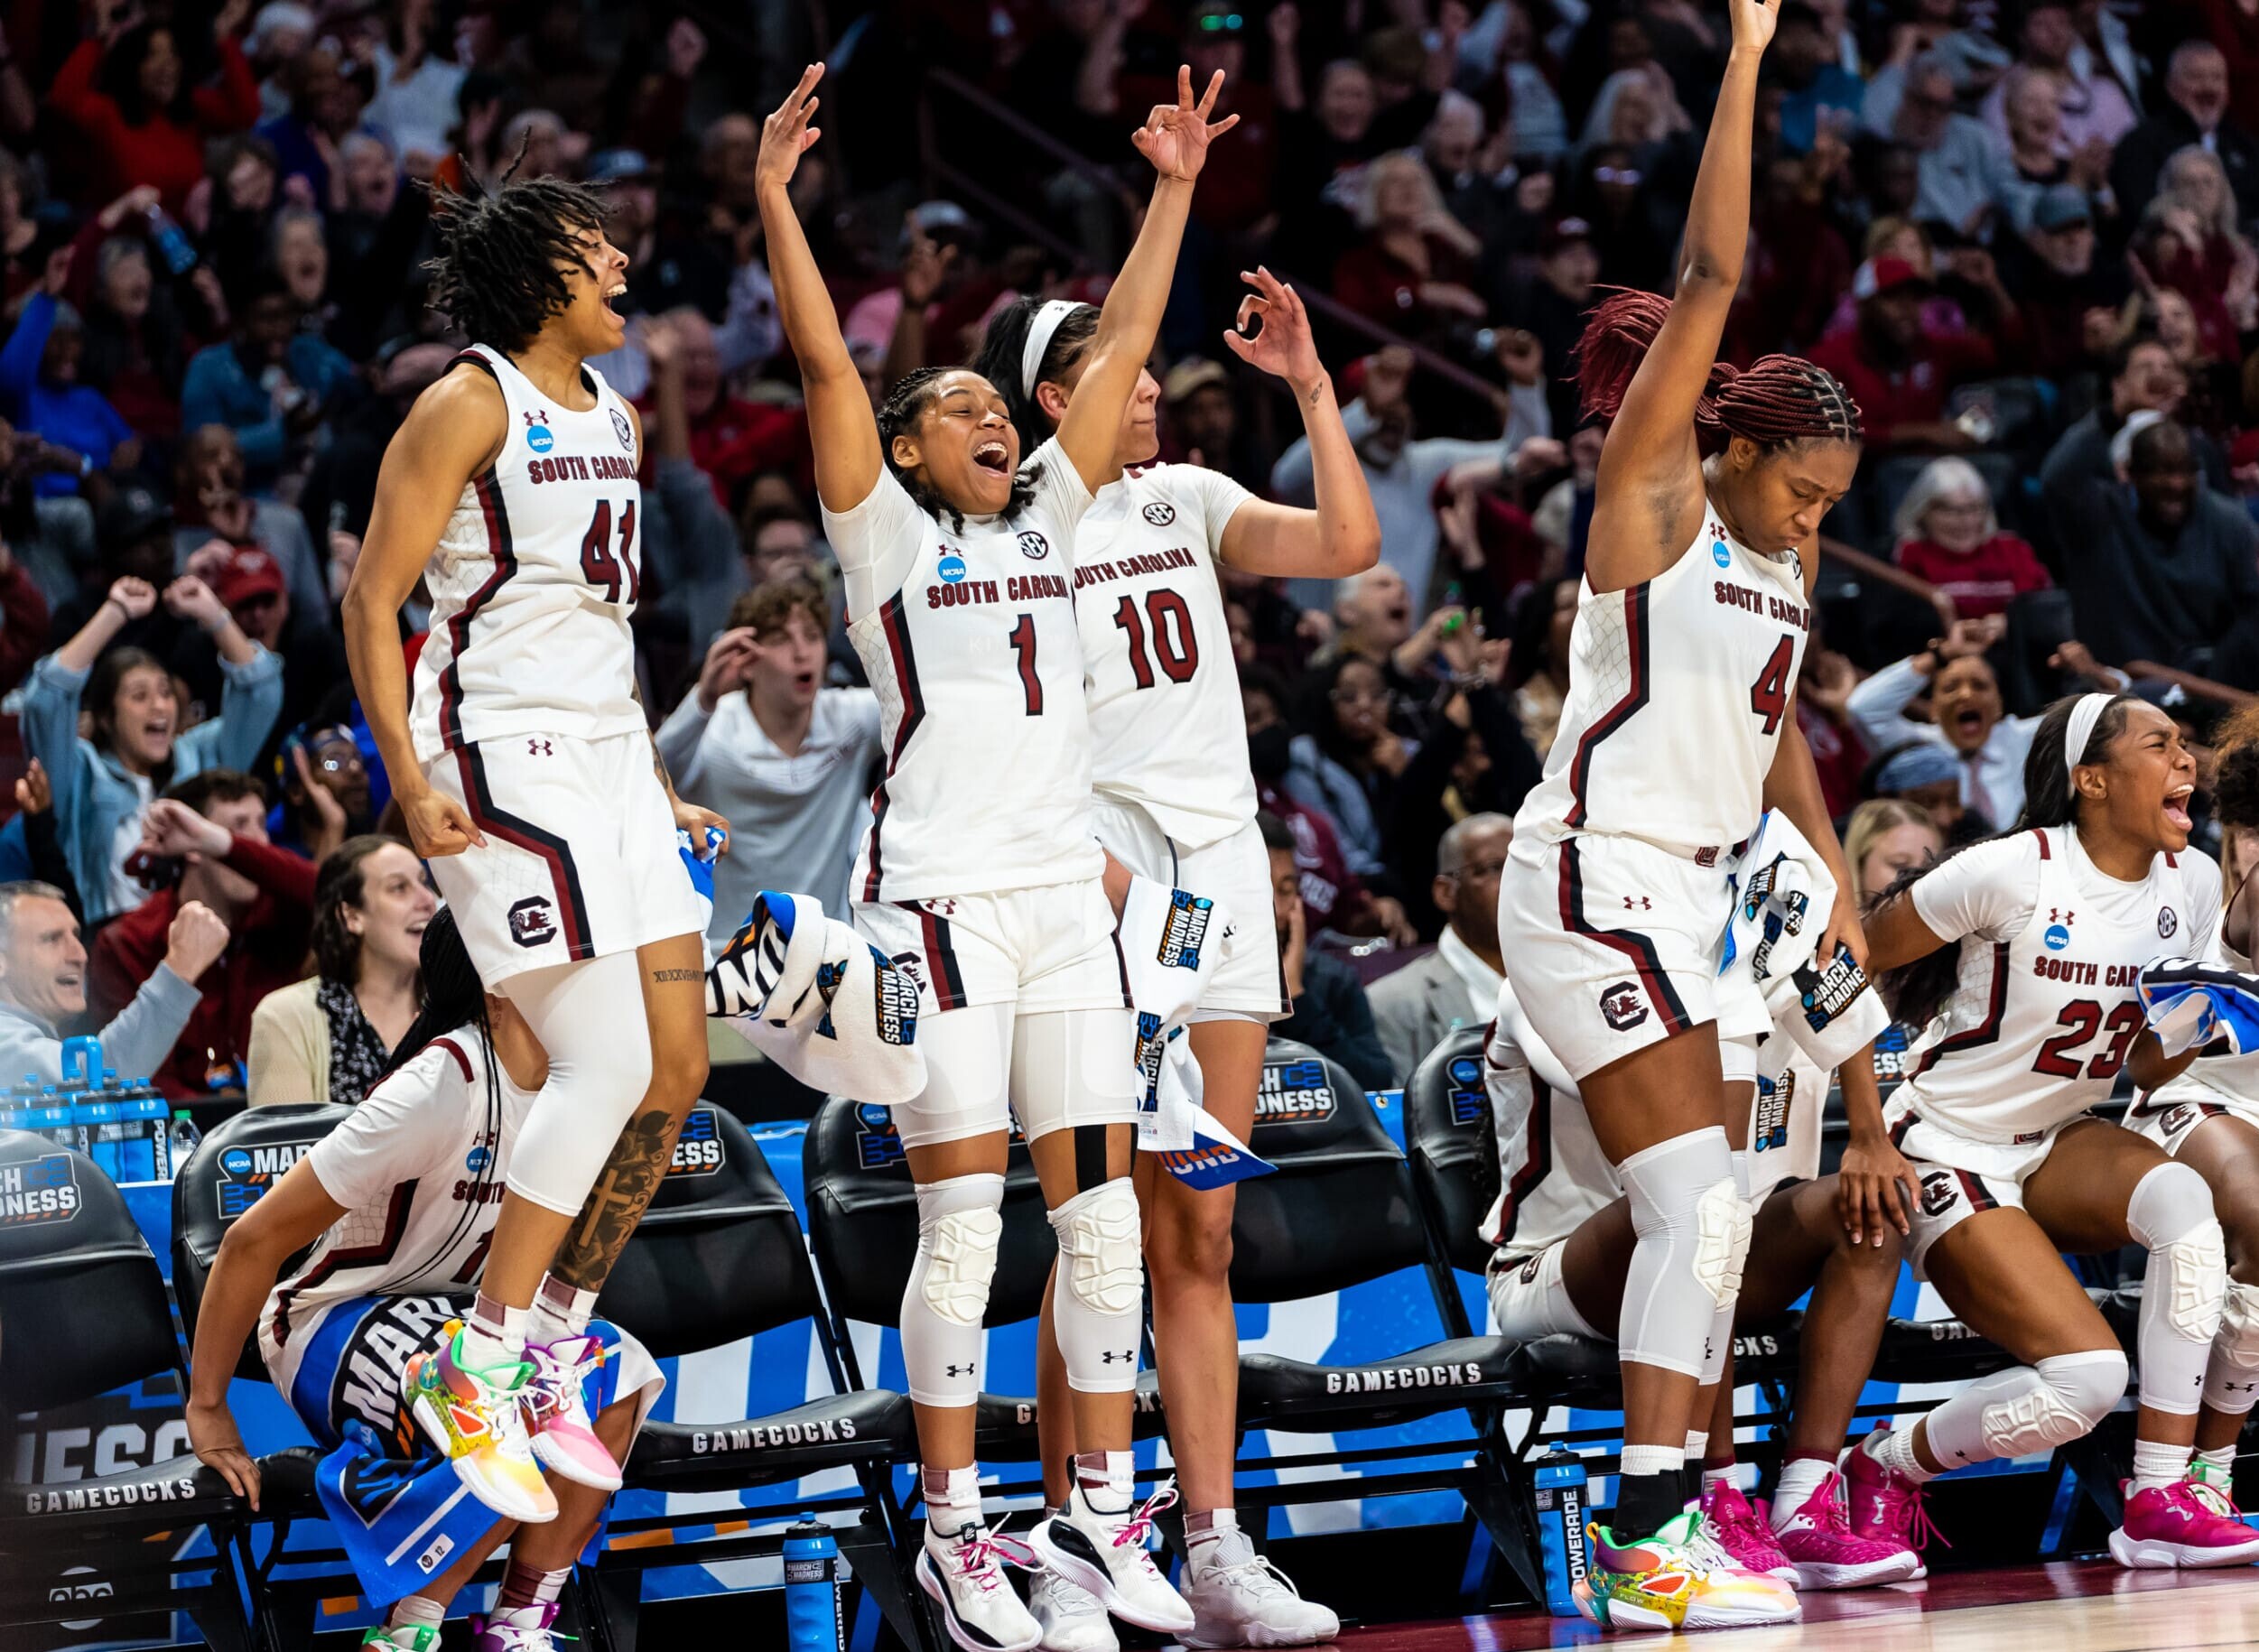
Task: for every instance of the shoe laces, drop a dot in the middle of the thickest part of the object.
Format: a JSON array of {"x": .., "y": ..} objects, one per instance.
[
  {"x": 2213, "y": 1497},
  {"x": 1137, "y": 1530},
  {"x": 1261, "y": 1579},
  {"x": 555, "y": 1383},
  {"x": 1905, "y": 1515},
  {"x": 981, "y": 1558}
]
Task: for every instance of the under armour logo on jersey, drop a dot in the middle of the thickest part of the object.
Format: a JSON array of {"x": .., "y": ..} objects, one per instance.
[
  {"x": 2054, "y": 916},
  {"x": 1638, "y": 903},
  {"x": 960, "y": 1370},
  {"x": 943, "y": 906},
  {"x": 534, "y": 418},
  {"x": 1159, "y": 516},
  {"x": 539, "y": 748}
]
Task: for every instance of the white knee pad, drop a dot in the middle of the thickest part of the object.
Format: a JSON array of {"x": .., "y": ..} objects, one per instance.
[
  {"x": 1530, "y": 1299},
  {"x": 1693, "y": 1234},
  {"x": 960, "y": 1222},
  {"x": 1098, "y": 1296},
  {"x": 2033, "y": 1408},
  {"x": 600, "y": 1071},
  {"x": 2184, "y": 1287},
  {"x": 2231, "y": 1375}
]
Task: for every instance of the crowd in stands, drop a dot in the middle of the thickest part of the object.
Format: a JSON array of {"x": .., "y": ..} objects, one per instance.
[{"x": 2021, "y": 231}]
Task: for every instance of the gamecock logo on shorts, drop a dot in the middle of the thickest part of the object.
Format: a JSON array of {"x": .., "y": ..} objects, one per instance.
[
  {"x": 1620, "y": 1007},
  {"x": 533, "y": 922},
  {"x": 1938, "y": 1193}
]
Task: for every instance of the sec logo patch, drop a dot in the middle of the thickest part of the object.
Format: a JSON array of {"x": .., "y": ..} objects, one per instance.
[
  {"x": 1159, "y": 516},
  {"x": 1034, "y": 546}
]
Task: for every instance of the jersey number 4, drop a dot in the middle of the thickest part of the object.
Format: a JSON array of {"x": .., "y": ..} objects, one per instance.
[
  {"x": 1179, "y": 657},
  {"x": 598, "y": 564},
  {"x": 1768, "y": 695},
  {"x": 2058, "y": 1057}
]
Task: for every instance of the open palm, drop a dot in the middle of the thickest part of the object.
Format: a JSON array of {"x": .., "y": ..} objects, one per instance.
[
  {"x": 1176, "y": 139},
  {"x": 787, "y": 135}
]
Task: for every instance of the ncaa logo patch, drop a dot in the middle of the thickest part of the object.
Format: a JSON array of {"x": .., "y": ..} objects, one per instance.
[
  {"x": 1620, "y": 1007},
  {"x": 1469, "y": 1097},
  {"x": 246, "y": 1173},
  {"x": 477, "y": 1160},
  {"x": 1034, "y": 546},
  {"x": 877, "y": 1145},
  {"x": 538, "y": 435},
  {"x": 2168, "y": 921},
  {"x": 1720, "y": 554},
  {"x": 2056, "y": 937},
  {"x": 531, "y": 923},
  {"x": 950, "y": 568},
  {"x": 1159, "y": 516},
  {"x": 623, "y": 431},
  {"x": 1186, "y": 929}
]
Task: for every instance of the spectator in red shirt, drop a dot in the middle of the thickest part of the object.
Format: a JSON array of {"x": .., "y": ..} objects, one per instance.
[
  {"x": 1901, "y": 375},
  {"x": 1949, "y": 533},
  {"x": 215, "y": 824},
  {"x": 129, "y": 96},
  {"x": 1410, "y": 272},
  {"x": 731, "y": 440}
]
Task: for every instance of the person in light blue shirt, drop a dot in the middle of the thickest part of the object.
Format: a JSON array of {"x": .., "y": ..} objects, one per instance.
[
  {"x": 1814, "y": 85},
  {"x": 40, "y": 391},
  {"x": 271, "y": 384}
]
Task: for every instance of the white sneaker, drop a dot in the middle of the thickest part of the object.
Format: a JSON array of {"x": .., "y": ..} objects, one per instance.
[
  {"x": 1070, "y": 1619},
  {"x": 1238, "y": 1599},
  {"x": 1105, "y": 1557},
  {"x": 965, "y": 1576}
]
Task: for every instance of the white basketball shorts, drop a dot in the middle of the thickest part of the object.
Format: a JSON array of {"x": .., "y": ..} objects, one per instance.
[
  {"x": 1958, "y": 1176},
  {"x": 1250, "y": 983}
]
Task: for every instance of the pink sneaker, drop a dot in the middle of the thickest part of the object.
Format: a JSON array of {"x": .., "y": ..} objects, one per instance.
[
  {"x": 1828, "y": 1554},
  {"x": 1885, "y": 1506},
  {"x": 557, "y": 1413},
  {"x": 2179, "y": 1525},
  {"x": 521, "y": 1629},
  {"x": 1729, "y": 1520}
]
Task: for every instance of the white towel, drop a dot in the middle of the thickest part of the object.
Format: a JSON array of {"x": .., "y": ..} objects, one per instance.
[
  {"x": 1783, "y": 897},
  {"x": 1171, "y": 943},
  {"x": 819, "y": 1000}
]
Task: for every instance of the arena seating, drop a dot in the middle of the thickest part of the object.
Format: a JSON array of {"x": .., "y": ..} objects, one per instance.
[{"x": 84, "y": 1306}]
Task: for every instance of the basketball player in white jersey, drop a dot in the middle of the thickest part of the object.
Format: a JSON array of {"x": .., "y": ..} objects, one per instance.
[
  {"x": 524, "y": 767},
  {"x": 981, "y": 870},
  {"x": 2207, "y": 1116},
  {"x": 1680, "y": 729},
  {"x": 1565, "y": 1240},
  {"x": 1176, "y": 803},
  {"x": 2019, "y": 959},
  {"x": 391, "y": 1216}
]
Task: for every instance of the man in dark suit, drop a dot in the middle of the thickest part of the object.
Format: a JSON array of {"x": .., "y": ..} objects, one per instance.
[
  {"x": 2195, "y": 111},
  {"x": 1456, "y": 984}
]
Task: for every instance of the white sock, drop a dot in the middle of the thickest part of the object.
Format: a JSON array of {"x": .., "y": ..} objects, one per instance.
[
  {"x": 486, "y": 1343},
  {"x": 952, "y": 1499},
  {"x": 1799, "y": 1478},
  {"x": 1697, "y": 1443},
  {"x": 2156, "y": 1466},
  {"x": 2217, "y": 1467},
  {"x": 1895, "y": 1451},
  {"x": 1652, "y": 1460},
  {"x": 1108, "y": 1480},
  {"x": 415, "y": 1612},
  {"x": 1714, "y": 1473},
  {"x": 1203, "y": 1541},
  {"x": 558, "y": 1311}
]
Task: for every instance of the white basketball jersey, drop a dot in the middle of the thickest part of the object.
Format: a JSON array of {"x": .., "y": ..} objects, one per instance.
[
  {"x": 1168, "y": 733},
  {"x": 978, "y": 665},
  {"x": 2051, "y": 951},
  {"x": 2219, "y": 1080},
  {"x": 534, "y": 579},
  {"x": 418, "y": 1166},
  {"x": 1678, "y": 689},
  {"x": 1552, "y": 1173}
]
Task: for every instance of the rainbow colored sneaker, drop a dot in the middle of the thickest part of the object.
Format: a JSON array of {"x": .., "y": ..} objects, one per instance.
[
  {"x": 1671, "y": 1581},
  {"x": 408, "y": 1637},
  {"x": 476, "y": 1419},
  {"x": 557, "y": 1413}
]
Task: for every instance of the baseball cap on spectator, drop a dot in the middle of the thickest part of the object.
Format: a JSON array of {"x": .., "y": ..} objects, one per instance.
[
  {"x": 1878, "y": 276},
  {"x": 1915, "y": 766},
  {"x": 944, "y": 220},
  {"x": 2060, "y": 207},
  {"x": 1193, "y": 373},
  {"x": 617, "y": 166},
  {"x": 248, "y": 573},
  {"x": 133, "y": 512},
  {"x": 1563, "y": 232},
  {"x": 2121, "y": 444}
]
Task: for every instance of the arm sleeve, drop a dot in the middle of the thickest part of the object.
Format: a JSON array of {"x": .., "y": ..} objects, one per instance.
[
  {"x": 392, "y": 1136},
  {"x": 286, "y": 875},
  {"x": 877, "y": 543},
  {"x": 232, "y": 103},
  {"x": 141, "y": 1039},
  {"x": 1878, "y": 706},
  {"x": 73, "y": 94},
  {"x": 1989, "y": 891}
]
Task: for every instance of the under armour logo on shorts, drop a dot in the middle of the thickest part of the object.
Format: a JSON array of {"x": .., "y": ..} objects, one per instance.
[
  {"x": 961, "y": 1370},
  {"x": 540, "y": 748},
  {"x": 1638, "y": 903}
]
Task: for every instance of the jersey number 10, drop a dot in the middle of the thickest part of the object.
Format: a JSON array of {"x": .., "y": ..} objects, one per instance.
[
  {"x": 598, "y": 566},
  {"x": 1179, "y": 657}
]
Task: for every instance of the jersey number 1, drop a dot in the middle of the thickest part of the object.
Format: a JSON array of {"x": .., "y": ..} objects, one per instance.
[
  {"x": 1768, "y": 695},
  {"x": 1024, "y": 644},
  {"x": 598, "y": 565},
  {"x": 1179, "y": 657}
]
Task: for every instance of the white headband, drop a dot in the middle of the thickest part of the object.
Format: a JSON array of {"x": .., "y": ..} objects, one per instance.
[
  {"x": 1039, "y": 331},
  {"x": 2084, "y": 716}
]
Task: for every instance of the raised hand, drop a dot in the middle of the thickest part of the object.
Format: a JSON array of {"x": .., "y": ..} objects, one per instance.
[
  {"x": 1176, "y": 139},
  {"x": 1753, "y": 23},
  {"x": 1284, "y": 348},
  {"x": 786, "y": 135},
  {"x": 135, "y": 598}
]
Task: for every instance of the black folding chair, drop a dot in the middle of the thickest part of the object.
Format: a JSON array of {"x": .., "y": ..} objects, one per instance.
[{"x": 82, "y": 1312}]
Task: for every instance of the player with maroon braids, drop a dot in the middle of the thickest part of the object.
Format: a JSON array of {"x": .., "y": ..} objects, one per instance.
[{"x": 1679, "y": 731}]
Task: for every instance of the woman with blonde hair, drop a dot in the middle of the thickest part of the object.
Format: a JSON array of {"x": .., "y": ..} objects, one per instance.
[
  {"x": 1883, "y": 837},
  {"x": 1946, "y": 531},
  {"x": 1413, "y": 268},
  {"x": 2188, "y": 241}
]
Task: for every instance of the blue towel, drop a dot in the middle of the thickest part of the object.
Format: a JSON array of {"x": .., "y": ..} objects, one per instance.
[{"x": 2190, "y": 1004}]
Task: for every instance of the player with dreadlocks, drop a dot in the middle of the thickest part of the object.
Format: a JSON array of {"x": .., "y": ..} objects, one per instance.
[
  {"x": 982, "y": 867},
  {"x": 522, "y": 763},
  {"x": 420, "y": 1161},
  {"x": 1679, "y": 731}
]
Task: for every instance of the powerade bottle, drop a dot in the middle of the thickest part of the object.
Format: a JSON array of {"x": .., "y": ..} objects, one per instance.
[
  {"x": 1560, "y": 1499},
  {"x": 50, "y": 1115},
  {"x": 95, "y": 1114},
  {"x": 142, "y": 1154},
  {"x": 811, "y": 1589},
  {"x": 21, "y": 1099}
]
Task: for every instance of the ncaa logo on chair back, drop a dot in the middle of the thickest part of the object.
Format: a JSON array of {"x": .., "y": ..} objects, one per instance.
[
  {"x": 699, "y": 1150},
  {"x": 246, "y": 1173},
  {"x": 43, "y": 1190},
  {"x": 1294, "y": 1093},
  {"x": 1469, "y": 1097},
  {"x": 1186, "y": 930}
]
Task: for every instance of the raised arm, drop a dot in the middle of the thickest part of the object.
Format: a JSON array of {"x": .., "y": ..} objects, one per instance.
[
  {"x": 1649, "y": 480},
  {"x": 1342, "y": 537},
  {"x": 842, "y": 427},
  {"x": 1175, "y": 140},
  {"x": 451, "y": 434}
]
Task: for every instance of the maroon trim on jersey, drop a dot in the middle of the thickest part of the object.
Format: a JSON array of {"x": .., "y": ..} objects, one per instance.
[
  {"x": 565, "y": 876},
  {"x": 488, "y": 490},
  {"x": 1633, "y": 945},
  {"x": 940, "y": 956},
  {"x": 1121, "y": 963},
  {"x": 1984, "y": 1031},
  {"x": 2045, "y": 853},
  {"x": 1973, "y": 1187},
  {"x": 1618, "y": 714},
  {"x": 455, "y": 1050},
  {"x": 1536, "y": 1163},
  {"x": 894, "y": 621},
  {"x": 367, "y": 1256},
  {"x": 1898, "y": 1130}
]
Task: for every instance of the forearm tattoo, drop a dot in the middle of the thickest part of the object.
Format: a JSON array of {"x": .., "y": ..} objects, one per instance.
[{"x": 615, "y": 1204}]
